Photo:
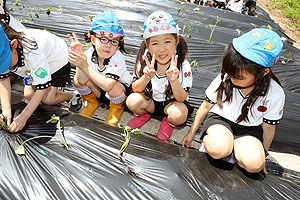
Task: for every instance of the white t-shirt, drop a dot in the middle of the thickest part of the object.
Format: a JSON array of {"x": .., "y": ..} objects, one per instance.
[
  {"x": 50, "y": 56},
  {"x": 114, "y": 69},
  {"x": 160, "y": 83},
  {"x": 267, "y": 109},
  {"x": 236, "y": 6},
  {"x": 15, "y": 24}
]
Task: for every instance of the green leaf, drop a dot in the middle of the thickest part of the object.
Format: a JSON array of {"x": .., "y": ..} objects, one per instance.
[
  {"x": 20, "y": 151},
  {"x": 54, "y": 119}
]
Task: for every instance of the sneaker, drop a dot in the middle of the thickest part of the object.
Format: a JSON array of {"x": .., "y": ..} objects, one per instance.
[
  {"x": 165, "y": 129},
  {"x": 76, "y": 103},
  {"x": 139, "y": 120},
  {"x": 231, "y": 159}
]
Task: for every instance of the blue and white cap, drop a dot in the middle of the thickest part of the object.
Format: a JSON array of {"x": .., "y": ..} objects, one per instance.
[
  {"x": 5, "y": 52},
  {"x": 107, "y": 24},
  {"x": 260, "y": 45},
  {"x": 158, "y": 23}
]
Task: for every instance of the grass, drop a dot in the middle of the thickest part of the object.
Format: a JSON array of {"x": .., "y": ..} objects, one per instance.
[{"x": 290, "y": 8}]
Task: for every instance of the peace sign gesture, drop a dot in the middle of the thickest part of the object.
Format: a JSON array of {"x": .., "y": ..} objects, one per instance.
[
  {"x": 173, "y": 72},
  {"x": 75, "y": 46},
  {"x": 78, "y": 58},
  {"x": 149, "y": 70}
]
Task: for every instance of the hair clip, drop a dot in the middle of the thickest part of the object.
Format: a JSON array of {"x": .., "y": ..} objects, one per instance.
[{"x": 225, "y": 77}]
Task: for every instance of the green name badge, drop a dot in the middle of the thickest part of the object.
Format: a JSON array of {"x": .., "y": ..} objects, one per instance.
[{"x": 40, "y": 72}]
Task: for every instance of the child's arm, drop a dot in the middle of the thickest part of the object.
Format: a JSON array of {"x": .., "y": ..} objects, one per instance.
[
  {"x": 202, "y": 112},
  {"x": 20, "y": 121},
  {"x": 5, "y": 96},
  {"x": 268, "y": 134},
  {"x": 172, "y": 73}
]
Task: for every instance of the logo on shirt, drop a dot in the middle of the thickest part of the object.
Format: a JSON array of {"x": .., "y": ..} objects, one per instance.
[
  {"x": 262, "y": 108},
  {"x": 187, "y": 74},
  {"x": 40, "y": 72}
]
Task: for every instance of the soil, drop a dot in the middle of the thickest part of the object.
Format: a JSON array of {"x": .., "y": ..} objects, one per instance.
[{"x": 287, "y": 24}]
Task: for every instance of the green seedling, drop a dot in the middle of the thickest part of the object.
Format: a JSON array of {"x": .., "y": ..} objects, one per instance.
[
  {"x": 127, "y": 131},
  {"x": 20, "y": 150},
  {"x": 212, "y": 29},
  {"x": 194, "y": 63}
]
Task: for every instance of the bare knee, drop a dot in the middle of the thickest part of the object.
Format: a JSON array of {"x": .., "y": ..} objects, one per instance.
[
  {"x": 133, "y": 101},
  {"x": 49, "y": 101},
  {"x": 252, "y": 164},
  {"x": 177, "y": 113}
]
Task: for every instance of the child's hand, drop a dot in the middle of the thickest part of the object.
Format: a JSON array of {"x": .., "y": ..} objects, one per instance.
[
  {"x": 75, "y": 46},
  {"x": 187, "y": 140},
  {"x": 79, "y": 60},
  {"x": 18, "y": 123},
  {"x": 173, "y": 72},
  {"x": 6, "y": 117},
  {"x": 149, "y": 70}
]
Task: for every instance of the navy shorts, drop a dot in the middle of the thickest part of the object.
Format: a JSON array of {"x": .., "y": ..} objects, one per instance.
[{"x": 236, "y": 129}]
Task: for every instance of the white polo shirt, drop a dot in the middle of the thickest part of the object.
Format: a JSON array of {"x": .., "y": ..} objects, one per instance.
[
  {"x": 114, "y": 69},
  {"x": 267, "y": 109},
  {"x": 50, "y": 56},
  {"x": 160, "y": 83}
]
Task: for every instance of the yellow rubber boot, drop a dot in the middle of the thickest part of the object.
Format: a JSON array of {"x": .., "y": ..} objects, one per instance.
[
  {"x": 114, "y": 113},
  {"x": 92, "y": 105}
]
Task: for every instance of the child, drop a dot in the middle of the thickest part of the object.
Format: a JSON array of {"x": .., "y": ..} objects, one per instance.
[
  {"x": 9, "y": 19},
  {"x": 161, "y": 87},
  {"x": 101, "y": 70},
  {"x": 244, "y": 103},
  {"x": 42, "y": 59}
]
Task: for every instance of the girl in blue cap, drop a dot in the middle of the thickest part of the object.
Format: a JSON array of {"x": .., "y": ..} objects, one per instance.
[
  {"x": 163, "y": 76},
  {"x": 42, "y": 59},
  {"x": 244, "y": 103},
  {"x": 101, "y": 70}
]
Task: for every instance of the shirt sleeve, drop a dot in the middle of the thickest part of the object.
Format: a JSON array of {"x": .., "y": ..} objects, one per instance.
[
  {"x": 186, "y": 76},
  {"x": 116, "y": 67},
  {"x": 39, "y": 70},
  {"x": 275, "y": 110},
  {"x": 210, "y": 93}
]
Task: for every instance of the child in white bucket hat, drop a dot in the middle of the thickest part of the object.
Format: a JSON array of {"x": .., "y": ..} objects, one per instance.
[
  {"x": 244, "y": 103},
  {"x": 163, "y": 76},
  {"x": 101, "y": 70}
]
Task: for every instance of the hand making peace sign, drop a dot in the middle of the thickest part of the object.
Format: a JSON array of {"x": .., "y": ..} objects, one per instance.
[
  {"x": 173, "y": 72},
  {"x": 149, "y": 70},
  {"x": 78, "y": 58}
]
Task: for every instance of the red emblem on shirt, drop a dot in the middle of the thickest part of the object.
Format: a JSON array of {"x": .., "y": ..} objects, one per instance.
[
  {"x": 166, "y": 85},
  {"x": 116, "y": 65},
  {"x": 262, "y": 108},
  {"x": 187, "y": 74}
]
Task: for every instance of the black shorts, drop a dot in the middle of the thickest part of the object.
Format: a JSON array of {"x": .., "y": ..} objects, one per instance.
[
  {"x": 160, "y": 107},
  {"x": 61, "y": 77},
  {"x": 236, "y": 129}
]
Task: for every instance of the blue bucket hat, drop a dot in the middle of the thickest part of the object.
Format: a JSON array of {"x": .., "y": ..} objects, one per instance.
[
  {"x": 262, "y": 46},
  {"x": 5, "y": 52},
  {"x": 108, "y": 24},
  {"x": 158, "y": 23}
]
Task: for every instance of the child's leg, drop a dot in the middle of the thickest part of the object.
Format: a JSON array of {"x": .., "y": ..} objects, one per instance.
[
  {"x": 249, "y": 153},
  {"x": 88, "y": 91},
  {"x": 218, "y": 141},
  {"x": 29, "y": 92},
  {"x": 141, "y": 107},
  {"x": 52, "y": 97},
  {"x": 176, "y": 114},
  {"x": 117, "y": 97}
]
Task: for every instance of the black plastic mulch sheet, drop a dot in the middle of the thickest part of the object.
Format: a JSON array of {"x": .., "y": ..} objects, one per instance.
[{"x": 91, "y": 169}]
